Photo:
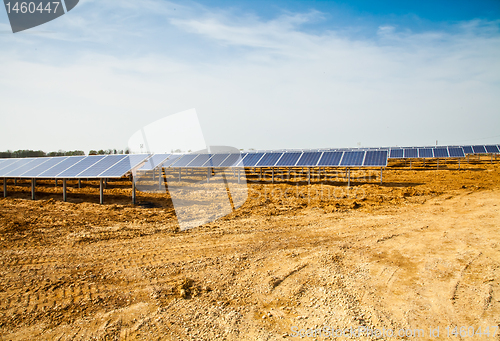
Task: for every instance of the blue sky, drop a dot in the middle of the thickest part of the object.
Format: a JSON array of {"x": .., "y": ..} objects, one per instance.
[{"x": 261, "y": 74}]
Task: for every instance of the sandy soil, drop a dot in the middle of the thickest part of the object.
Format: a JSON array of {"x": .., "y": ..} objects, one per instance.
[{"x": 420, "y": 251}]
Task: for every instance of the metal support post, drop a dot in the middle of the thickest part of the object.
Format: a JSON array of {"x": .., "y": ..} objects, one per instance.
[
  {"x": 381, "y": 169},
  {"x": 239, "y": 173},
  {"x": 272, "y": 175},
  {"x": 79, "y": 183},
  {"x": 208, "y": 174},
  {"x": 160, "y": 176},
  {"x": 437, "y": 167},
  {"x": 64, "y": 190},
  {"x": 348, "y": 177},
  {"x": 56, "y": 182},
  {"x": 15, "y": 181},
  {"x": 5, "y": 187},
  {"x": 458, "y": 163},
  {"x": 101, "y": 191},
  {"x": 180, "y": 169},
  {"x": 288, "y": 174},
  {"x": 410, "y": 163},
  {"x": 134, "y": 196},
  {"x": 33, "y": 184},
  {"x": 308, "y": 175}
]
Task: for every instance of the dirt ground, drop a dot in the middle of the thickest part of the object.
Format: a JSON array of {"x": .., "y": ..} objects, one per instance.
[{"x": 418, "y": 252}]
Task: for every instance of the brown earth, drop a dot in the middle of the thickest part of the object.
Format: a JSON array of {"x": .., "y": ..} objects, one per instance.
[{"x": 420, "y": 251}]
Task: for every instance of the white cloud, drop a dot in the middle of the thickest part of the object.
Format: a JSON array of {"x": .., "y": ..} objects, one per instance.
[{"x": 255, "y": 83}]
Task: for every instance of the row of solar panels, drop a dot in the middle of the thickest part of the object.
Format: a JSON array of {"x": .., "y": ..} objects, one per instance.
[
  {"x": 441, "y": 152},
  {"x": 289, "y": 159},
  {"x": 67, "y": 167}
]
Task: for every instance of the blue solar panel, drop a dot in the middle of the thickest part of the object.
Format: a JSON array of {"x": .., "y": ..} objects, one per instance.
[
  {"x": 79, "y": 167},
  {"x": 51, "y": 162},
  {"x": 456, "y": 152},
  {"x": 410, "y": 153},
  {"x": 425, "y": 153},
  {"x": 468, "y": 149},
  {"x": 330, "y": 159},
  {"x": 101, "y": 166},
  {"x": 352, "y": 159},
  {"x": 15, "y": 165},
  {"x": 232, "y": 160},
  {"x": 184, "y": 160},
  {"x": 7, "y": 163},
  {"x": 251, "y": 159},
  {"x": 61, "y": 166},
  {"x": 376, "y": 158},
  {"x": 441, "y": 152},
  {"x": 269, "y": 160},
  {"x": 200, "y": 160},
  {"x": 124, "y": 166},
  {"x": 288, "y": 159},
  {"x": 396, "y": 153},
  {"x": 309, "y": 159},
  {"x": 216, "y": 160},
  {"x": 23, "y": 169},
  {"x": 154, "y": 161},
  {"x": 492, "y": 149},
  {"x": 479, "y": 149}
]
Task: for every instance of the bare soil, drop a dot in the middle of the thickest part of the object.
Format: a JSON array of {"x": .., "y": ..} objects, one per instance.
[{"x": 419, "y": 251}]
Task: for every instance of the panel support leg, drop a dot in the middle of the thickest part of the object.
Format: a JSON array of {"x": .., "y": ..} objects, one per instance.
[
  {"x": 101, "y": 191},
  {"x": 64, "y": 190},
  {"x": 33, "y": 184},
  {"x": 208, "y": 174},
  {"x": 308, "y": 175},
  {"x": 160, "y": 176},
  {"x": 288, "y": 174},
  {"x": 56, "y": 182},
  {"x": 239, "y": 175},
  {"x": 348, "y": 177},
  {"x": 15, "y": 181},
  {"x": 458, "y": 163},
  {"x": 437, "y": 167},
  {"x": 5, "y": 187},
  {"x": 134, "y": 194},
  {"x": 272, "y": 175},
  {"x": 180, "y": 169},
  {"x": 79, "y": 183},
  {"x": 381, "y": 169}
]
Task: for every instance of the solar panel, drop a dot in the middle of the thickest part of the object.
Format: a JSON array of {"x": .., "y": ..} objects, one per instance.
[
  {"x": 14, "y": 165},
  {"x": 396, "y": 153},
  {"x": 456, "y": 152},
  {"x": 376, "y": 158},
  {"x": 232, "y": 160},
  {"x": 100, "y": 166},
  {"x": 185, "y": 160},
  {"x": 479, "y": 149},
  {"x": 425, "y": 153},
  {"x": 251, "y": 159},
  {"x": 61, "y": 166},
  {"x": 20, "y": 170},
  {"x": 441, "y": 152},
  {"x": 7, "y": 163},
  {"x": 288, "y": 159},
  {"x": 410, "y": 153},
  {"x": 51, "y": 162},
  {"x": 269, "y": 159},
  {"x": 492, "y": 149},
  {"x": 352, "y": 159},
  {"x": 468, "y": 149},
  {"x": 309, "y": 159},
  {"x": 200, "y": 160},
  {"x": 124, "y": 166},
  {"x": 73, "y": 171},
  {"x": 216, "y": 160},
  {"x": 331, "y": 159},
  {"x": 154, "y": 161}
]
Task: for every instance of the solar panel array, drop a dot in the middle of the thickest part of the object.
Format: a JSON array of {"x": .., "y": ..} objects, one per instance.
[
  {"x": 68, "y": 167},
  {"x": 429, "y": 152}
]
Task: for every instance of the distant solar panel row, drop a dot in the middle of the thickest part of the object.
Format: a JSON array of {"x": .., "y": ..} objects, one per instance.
[
  {"x": 371, "y": 158},
  {"x": 426, "y": 152},
  {"x": 93, "y": 166}
]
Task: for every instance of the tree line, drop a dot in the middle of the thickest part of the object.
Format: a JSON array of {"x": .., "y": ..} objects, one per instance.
[{"x": 40, "y": 153}]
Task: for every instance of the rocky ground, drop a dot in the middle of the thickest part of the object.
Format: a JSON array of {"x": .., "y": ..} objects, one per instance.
[{"x": 418, "y": 252}]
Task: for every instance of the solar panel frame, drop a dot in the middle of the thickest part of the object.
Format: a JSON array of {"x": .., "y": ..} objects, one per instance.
[
  {"x": 441, "y": 152},
  {"x": 375, "y": 158},
  {"x": 14, "y": 165},
  {"x": 410, "y": 153},
  {"x": 353, "y": 159},
  {"x": 289, "y": 159},
  {"x": 425, "y": 153},
  {"x": 18, "y": 172},
  {"x": 330, "y": 159},
  {"x": 309, "y": 159},
  {"x": 456, "y": 152},
  {"x": 101, "y": 166},
  {"x": 491, "y": 149},
  {"x": 61, "y": 167},
  {"x": 479, "y": 149},
  {"x": 126, "y": 165},
  {"x": 269, "y": 159},
  {"x": 51, "y": 162}
]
